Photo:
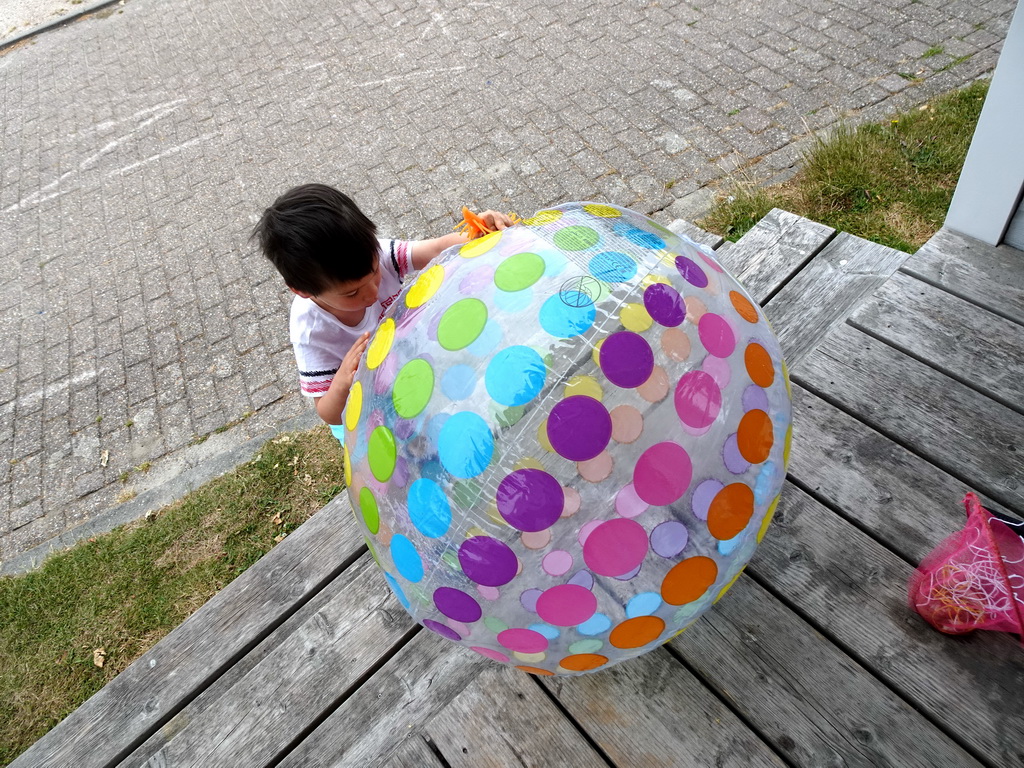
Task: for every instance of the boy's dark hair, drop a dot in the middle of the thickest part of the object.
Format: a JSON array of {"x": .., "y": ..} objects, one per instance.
[{"x": 316, "y": 236}]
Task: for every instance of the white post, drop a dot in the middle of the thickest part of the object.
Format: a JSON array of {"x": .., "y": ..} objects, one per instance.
[{"x": 989, "y": 190}]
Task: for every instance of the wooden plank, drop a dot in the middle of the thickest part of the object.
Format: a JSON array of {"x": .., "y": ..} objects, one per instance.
[
  {"x": 148, "y": 693},
  {"x": 968, "y": 435},
  {"x": 964, "y": 341},
  {"x": 503, "y": 718},
  {"x": 777, "y": 247},
  {"x": 415, "y": 753},
  {"x": 695, "y": 233},
  {"x": 650, "y": 712},
  {"x": 905, "y": 502},
  {"x": 990, "y": 276},
  {"x": 827, "y": 291},
  {"x": 299, "y": 681},
  {"x": 815, "y": 704},
  {"x": 853, "y": 590},
  {"x": 392, "y": 706}
]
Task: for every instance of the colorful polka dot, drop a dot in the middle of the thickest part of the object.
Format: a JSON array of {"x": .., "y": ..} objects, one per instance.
[
  {"x": 743, "y": 306},
  {"x": 664, "y": 305},
  {"x": 637, "y": 632},
  {"x": 429, "y": 509},
  {"x": 730, "y": 511},
  {"x": 425, "y": 287},
  {"x": 613, "y": 267},
  {"x": 487, "y": 561},
  {"x": 543, "y": 217},
  {"x": 643, "y": 604},
  {"x": 689, "y": 580},
  {"x": 755, "y": 436},
  {"x": 698, "y": 399},
  {"x": 566, "y": 605},
  {"x": 626, "y": 359},
  {"x": 716, "y": 335},
  {"x": 627, "y": 424},
  {"x": 530, "y": 499},
  {"x": 457, "y": 605},
  {"x": 412, "y": 388},
  {"x": 691, "y": 272},
  {"x": 662, "y": 473},
  {"x": 380, "y": 345},
  {"x": 579, "y": 428},
  {"x": 566, "y": 320},
  {"x": 407, "y": 560},
  {"x": 557, "y": 562},
  {"x": 604, "y": 211},
  {"x": 518, "y": 272},
  {"x": 759, "y": 365},
  {"x": 523, "y": 640},
  {"x": 461, "y": 323},
  {"x": 354, "y": 405},
  {"x": 458, "y": 382},
  {"x": 615, "y": 547},
  {"x": 368, "y": 509},
  {"x": 669, "y": 539},
  {"x": 583, "y": 662},
  {"x": 576, "y": 238},
  {"x": 465, "y": 445},
  {"x": 382, "y": 453},
  {"x": 515, "y": 376},
  {"x": 480, "y": 246},
  {"x": 635, "y": 317}
]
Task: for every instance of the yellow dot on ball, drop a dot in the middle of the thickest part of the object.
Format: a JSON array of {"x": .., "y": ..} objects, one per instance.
[
  {"x": 354, "y": 406},
  {"x": 584, "y": 385},
  {"x": 542, "y": 437},
  {"x": 481, "y": 245},
  {"x": 381, "y": 344},
  {"x": 604, "y": 211},
  {"x": 542, "y": 217},
  {"x": 768, "y": 518},
  {"x": 425, "y": 287},
  {"x": 636, "y": 318}
]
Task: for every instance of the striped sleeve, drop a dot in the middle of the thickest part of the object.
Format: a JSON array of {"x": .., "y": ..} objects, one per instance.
[
  {"x": 401, "y": 257},
  {"x": 315, "y": 383}
]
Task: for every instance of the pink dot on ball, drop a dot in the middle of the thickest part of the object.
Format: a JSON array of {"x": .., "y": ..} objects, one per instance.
[
  {"x": 662, "y": 474},
  {"x": 523, "y": 640},
  {"x": 557, "y": 562},
  {"x": 490, "y": 654},
  {"x": 698, "y": 399},
  {"x": 627, "y": 503},
  {"x": 566, "y": 605},
  {"x": 716, "y": 335},
  {"x": 615, "y": 547}
]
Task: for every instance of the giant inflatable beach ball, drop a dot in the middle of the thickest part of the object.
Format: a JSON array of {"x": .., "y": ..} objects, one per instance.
[{"x": 566, "y": 439}]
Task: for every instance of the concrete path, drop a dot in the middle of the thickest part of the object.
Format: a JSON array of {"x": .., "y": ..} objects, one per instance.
[{"x": 139, "y": 330}]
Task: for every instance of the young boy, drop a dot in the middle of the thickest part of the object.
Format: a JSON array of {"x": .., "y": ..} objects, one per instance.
[{"x": 344, "y": 278}]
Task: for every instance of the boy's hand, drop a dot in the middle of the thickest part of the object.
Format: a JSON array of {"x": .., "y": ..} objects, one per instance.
[
  {"x": 496, "y": 219},
  {"x": 350, "y": 363}
]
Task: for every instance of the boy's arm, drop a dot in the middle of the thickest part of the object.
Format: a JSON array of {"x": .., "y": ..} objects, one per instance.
[
  {"x": 331, "y": 405},
  {"x": 425, "y": 251}
]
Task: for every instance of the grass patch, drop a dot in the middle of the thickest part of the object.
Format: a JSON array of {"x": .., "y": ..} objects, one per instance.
[
  {"x": 109, "y": 599},
  {"x": 890, "y": 183}
]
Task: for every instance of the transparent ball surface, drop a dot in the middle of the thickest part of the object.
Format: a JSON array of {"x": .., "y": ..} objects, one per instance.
[{"x": 567, "y": 438}]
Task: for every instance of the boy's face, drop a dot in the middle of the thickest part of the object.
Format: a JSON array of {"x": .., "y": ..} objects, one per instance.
[{"x": 350, "y": 295}]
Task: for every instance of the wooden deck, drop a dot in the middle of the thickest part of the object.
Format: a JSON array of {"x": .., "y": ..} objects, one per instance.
[{"x": 908, "y": 377}]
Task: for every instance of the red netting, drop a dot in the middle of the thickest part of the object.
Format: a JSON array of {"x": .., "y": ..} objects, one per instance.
[{"x": 975, "y": 578}]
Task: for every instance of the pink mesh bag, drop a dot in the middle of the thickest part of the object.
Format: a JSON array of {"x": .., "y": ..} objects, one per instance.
[{"x": 975, "y": 578}]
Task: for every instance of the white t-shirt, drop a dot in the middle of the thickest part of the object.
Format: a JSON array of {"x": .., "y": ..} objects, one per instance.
[{"x": 320, "y": 340}]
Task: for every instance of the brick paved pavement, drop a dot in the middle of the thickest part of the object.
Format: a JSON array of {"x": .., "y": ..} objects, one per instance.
[{"x": 139, "y": 145}]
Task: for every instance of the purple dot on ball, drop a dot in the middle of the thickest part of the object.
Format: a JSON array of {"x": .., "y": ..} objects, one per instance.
[
  {"x": 487, "y": 561},
  {"x": 755, "y": 399},
  {"x": 529, "y": 599},
  {"x": 583, "y": 579},
  {"x": 626, "y": 359},
  {"x": 668, "y": 539},
  {"x": 456, "y": 604},
  {"x": 441, "y": 629},
  {"x": 691, "y": 272},
  {"x": 732, "y": 457},
  {"x": 579, "y": 428},
  {"x": 665, "y": 305},
  {"x": 530, "y": 499}
]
